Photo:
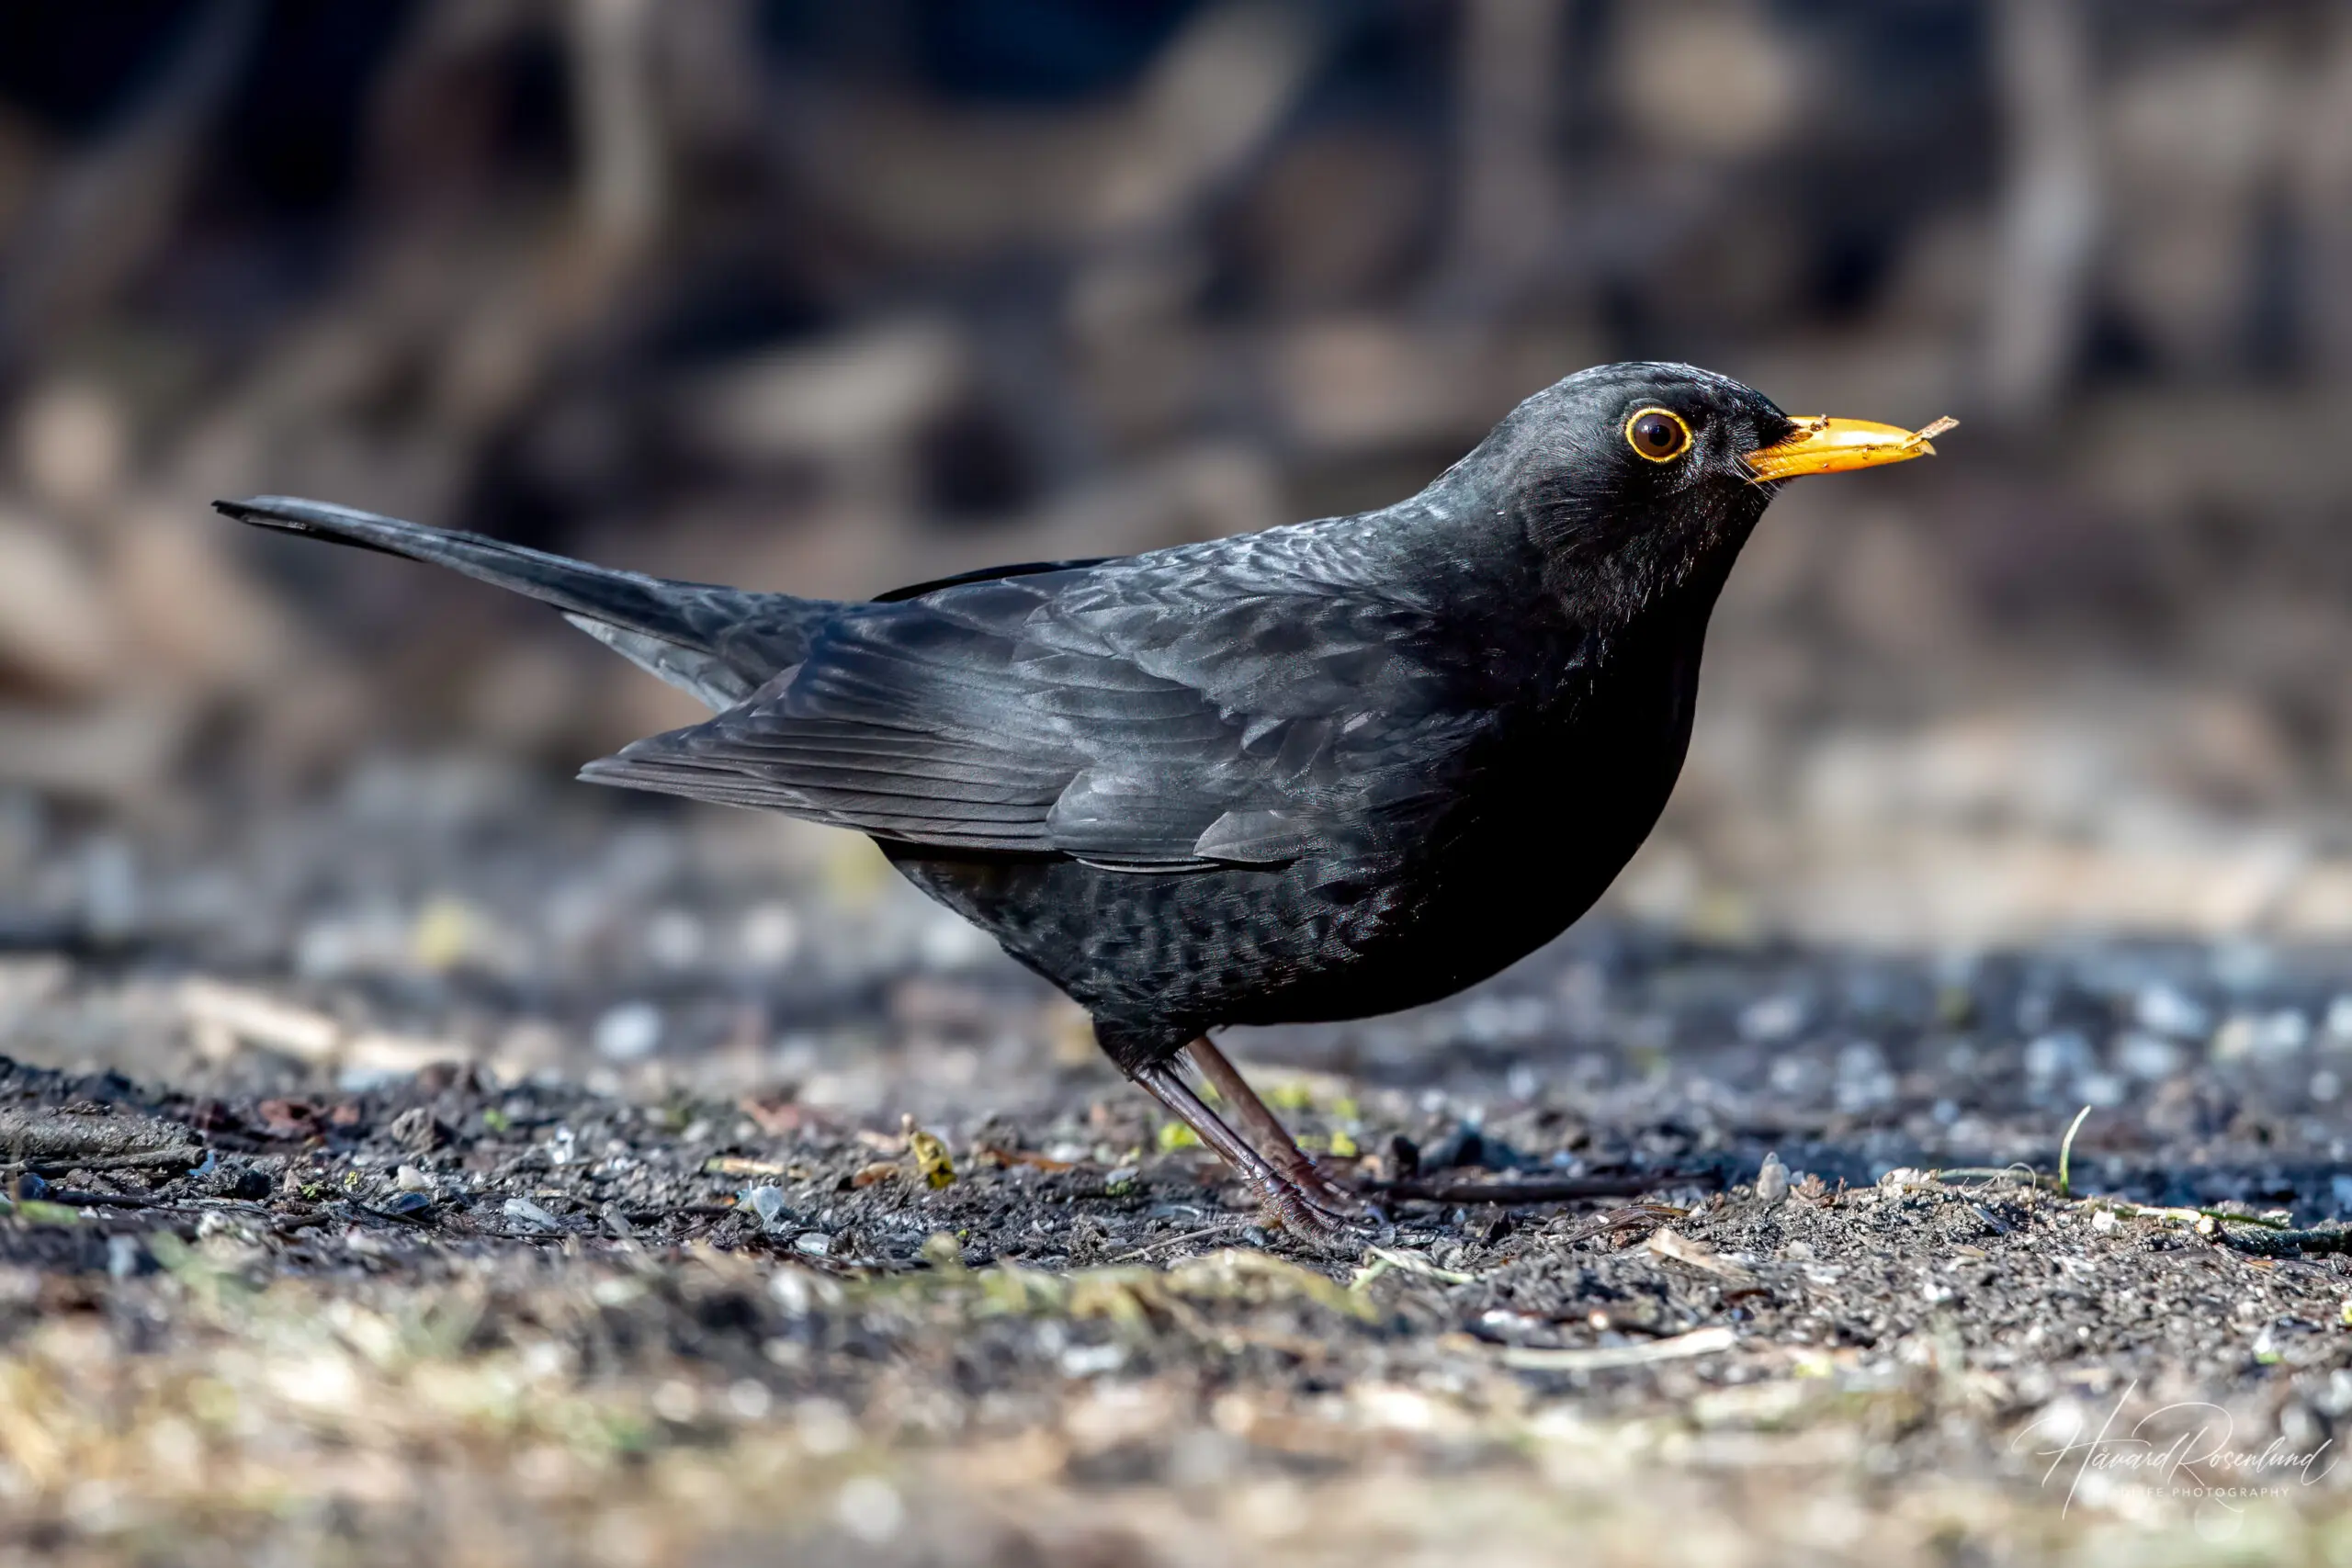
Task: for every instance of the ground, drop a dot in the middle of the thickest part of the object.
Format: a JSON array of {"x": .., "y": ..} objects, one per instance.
[{"x": 452, "y": 1173}]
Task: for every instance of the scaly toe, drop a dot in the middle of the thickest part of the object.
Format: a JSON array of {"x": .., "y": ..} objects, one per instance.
[
  {"x": 1295, "y": 1211},
  {"x": 1311, "y": 1221}
]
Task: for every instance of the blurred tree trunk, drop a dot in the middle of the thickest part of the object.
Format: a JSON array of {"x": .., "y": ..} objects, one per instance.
[
  {"x": 2050, "y": 203},
  {"x": 111, "y": 204},
  {"x": 1508, "y": 211},
  {"x": 622, "y": 173},
  {"x": 2320, "y": 188}
]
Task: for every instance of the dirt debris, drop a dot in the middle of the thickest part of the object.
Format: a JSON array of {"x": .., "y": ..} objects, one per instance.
[
  {"x": 563, "y": 1309},
  {"x": 852, "y": 1255}
]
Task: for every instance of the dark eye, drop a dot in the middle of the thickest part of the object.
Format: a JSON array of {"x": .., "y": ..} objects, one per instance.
[{"x": 1659, "y": 434}]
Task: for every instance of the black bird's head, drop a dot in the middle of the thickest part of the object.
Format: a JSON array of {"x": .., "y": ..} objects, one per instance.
[{"x": 1636, "y": 481}]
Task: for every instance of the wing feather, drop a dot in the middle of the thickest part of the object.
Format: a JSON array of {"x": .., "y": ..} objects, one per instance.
[{"x": 1128, "y": 714}]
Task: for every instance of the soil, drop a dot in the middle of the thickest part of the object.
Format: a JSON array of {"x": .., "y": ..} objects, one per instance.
[{"x": 520, "y": 1182}]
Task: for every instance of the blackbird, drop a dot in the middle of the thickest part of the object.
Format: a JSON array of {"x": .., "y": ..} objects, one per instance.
[{"x": 1318, "y": 772}]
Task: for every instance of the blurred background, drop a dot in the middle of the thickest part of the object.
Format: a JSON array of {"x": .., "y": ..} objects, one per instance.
[
  {"x": 2022, "y": 778},
  {"x": 832, "y": 297}
]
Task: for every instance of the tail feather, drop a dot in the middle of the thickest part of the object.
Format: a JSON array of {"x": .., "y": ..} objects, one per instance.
[{"x": 719, "y": 643}]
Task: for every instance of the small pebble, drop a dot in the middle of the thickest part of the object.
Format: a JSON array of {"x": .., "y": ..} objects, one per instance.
[
  {"x": 1092, "y": 1361},
  {"x": 869, "y": 1508},
  {"x": 2150, "y": 1056},
  {"x": 2167, "y": 1009},
  {"x": 816, "y": 1243},
  {"x": 768, "y": 1203},
  {"x": 408, "y": 1178},
  {"x": 673, "y": 939},
  {"x": 770, "y": 934},
  {"x": 629, "y": 1031},
  {"x": 523, "y": 1211},
  {"x": 1773, "y": 1181},
  {"x": 677, "y": 1402}
]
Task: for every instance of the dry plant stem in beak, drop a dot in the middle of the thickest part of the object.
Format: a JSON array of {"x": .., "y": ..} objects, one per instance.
[{"x": 1826, "y": 445}]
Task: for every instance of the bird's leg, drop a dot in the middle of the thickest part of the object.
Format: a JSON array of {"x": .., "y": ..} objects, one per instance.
[
  {"x": 1266, "y": 1131},
  {"x": 1283, "y": 1199}
]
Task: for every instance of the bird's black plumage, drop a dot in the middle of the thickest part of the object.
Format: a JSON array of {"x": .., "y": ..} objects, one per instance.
[{"x": 1319, "y": 772}]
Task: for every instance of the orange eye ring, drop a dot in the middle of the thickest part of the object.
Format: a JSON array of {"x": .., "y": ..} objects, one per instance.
[{"x": 1657, "y": 435}]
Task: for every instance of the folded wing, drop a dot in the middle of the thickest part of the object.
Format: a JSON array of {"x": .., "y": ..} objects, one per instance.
[{"x": 1131, "y": 715}]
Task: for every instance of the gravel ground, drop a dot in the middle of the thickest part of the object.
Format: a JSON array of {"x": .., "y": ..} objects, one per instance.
[{"x": 461, "y": 1171}]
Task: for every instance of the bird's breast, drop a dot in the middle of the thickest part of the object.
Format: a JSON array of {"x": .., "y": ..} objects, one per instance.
[{"x": 1564, "y": 798}]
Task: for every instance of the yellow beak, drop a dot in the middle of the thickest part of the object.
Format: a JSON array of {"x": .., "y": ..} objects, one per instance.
[{"x": 1826, "y": 445}]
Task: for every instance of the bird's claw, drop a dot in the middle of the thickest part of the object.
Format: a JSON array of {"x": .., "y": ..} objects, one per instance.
[
  {"x": 1288, "y": 1205},
  {"x": 1328, "y": 1195}
]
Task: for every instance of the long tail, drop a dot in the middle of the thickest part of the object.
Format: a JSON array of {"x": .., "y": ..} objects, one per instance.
[{"x": 721, "y": 644}]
